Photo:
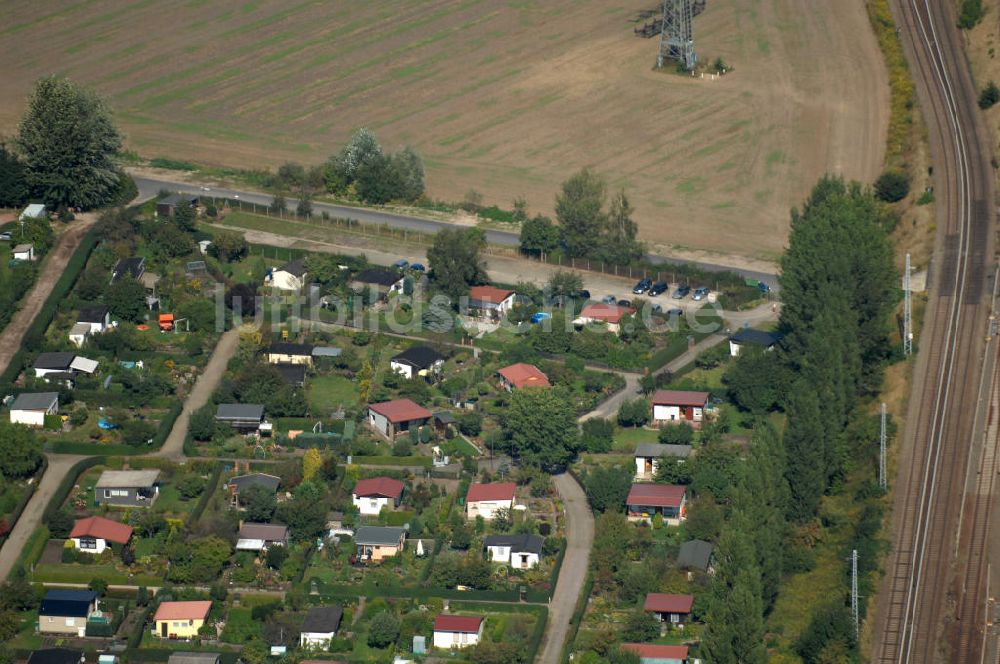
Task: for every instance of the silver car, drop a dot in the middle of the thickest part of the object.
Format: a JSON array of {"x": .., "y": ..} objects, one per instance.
[{"x": 700, "y": 293}]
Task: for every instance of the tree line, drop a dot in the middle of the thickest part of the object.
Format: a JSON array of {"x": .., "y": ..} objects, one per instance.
[
  {"x": 589, "y": 225},
  {"x": 65, "y": 151}
]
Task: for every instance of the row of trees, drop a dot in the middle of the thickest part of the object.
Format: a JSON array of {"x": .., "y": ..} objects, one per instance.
[
  {"x": 65, "y": 151},
  {"x": 588, "y": 225}
]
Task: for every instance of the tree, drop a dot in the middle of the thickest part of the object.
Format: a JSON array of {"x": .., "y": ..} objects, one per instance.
[
  {"x": 410, "y": 167},
  {"x": 278, "y": 204},
  {"x": 304, "y": 208},
  {"x": 641, "y": 626},
  {"x": 607, "y": 488},
  {"x": 892, "y": 186},
  {"x": 831, "y": 626},
  {"x": 538, "y": 236},
  {"x": 68, "y": 143},
  {"x": 276, "y": 556},
  {"x": 184, "y": 217},
  {"x": 259, "y": 502},
  {"x": 564, "y": 284},
  {"x": 597, "y": 435},
  {"x": 10, "y": 623},
  {"x": 502, "y": 522},
  {"x": 989, "y": 96},
  {"x": 60, "y": 524},
  {"x": 634, "y": 413},
  {"x": 190, "y": 486},
  {"x": 383, "y": 630},
  {"x": 99, "y": 586},
  {"x": 229, "y": 246},
  {"x": 806, "y": 472},
  {"x": 715, "y": 470},
  {"x": 202, "y": 424},
  {"x": 676, "y": 434},
  {"x": 970, "y": 14},
  {"x": 734, "y": 618},
  {"x": 126, "y": 298},
  {"x": 541, "y": 426},
  {"x": 312, "y": 461},
  {"x": 579, "y": 208},
  {"x": 757, "y": 380},
  {"x": 362, "y": 148},
  {"x": 13, "y": 186},
  {"x": 20, "y": 449},
  {"x": 305, "y": 514},
  {"x": 455, "y": 260},
  {"x": 208, "y": 554},
  {"x": 619, "y": 241}
]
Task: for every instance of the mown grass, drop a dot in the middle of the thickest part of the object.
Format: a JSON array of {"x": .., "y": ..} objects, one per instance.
[{"x": 901, "y": 99}]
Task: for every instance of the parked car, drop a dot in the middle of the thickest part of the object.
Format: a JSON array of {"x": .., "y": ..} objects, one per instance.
[
  {"x": 658, "y": 288},
  {"x": 624, "y": 303},
  {"x": 401, "y": 264},
  {"x": 418, "y": 267},
  {"x": 681, "y": 292},
  {"x": 676, "y": 311},
  {"x": 643, "y": 286},
  {"x": 609, "y": 299},
  {"x": 700, "y": 293},
  {"x": 581, "y": 295},
  {"x": 5, "y": 236}
]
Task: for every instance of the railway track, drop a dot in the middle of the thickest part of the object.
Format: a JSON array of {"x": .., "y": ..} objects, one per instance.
[{"x": 933, "y": 595}]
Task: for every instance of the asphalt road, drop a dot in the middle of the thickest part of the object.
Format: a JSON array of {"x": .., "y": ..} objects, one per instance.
[{"x": 149, "y": 187}]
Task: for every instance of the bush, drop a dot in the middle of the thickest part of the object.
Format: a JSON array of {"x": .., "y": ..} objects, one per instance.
[
  {"x": 598, "y": 435},
  {"x": 989, "y": 96},
  {"x": 676, "y": 434},
  {"x": 383, "y": 630},
  {"x": 892, "y": 186},
  {"x": 470, "y": 423},
  {"x": 970, "y": 14}
]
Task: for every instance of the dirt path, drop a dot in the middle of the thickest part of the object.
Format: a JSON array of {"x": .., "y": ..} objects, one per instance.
[
  {"x": 579, "y": 541},
  {"x": 173, "y": 447},
  {"x": 31, "y": 517},
  {"x": 49, "y": 272}
]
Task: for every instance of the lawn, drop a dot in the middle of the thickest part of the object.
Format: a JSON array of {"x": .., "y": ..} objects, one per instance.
[
  {"x": 327, "y": 392},
  {"x": 85, "y": 573},
  {"x": 626, "y": 440}
]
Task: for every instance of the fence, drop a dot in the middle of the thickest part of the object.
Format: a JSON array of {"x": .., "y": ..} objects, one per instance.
[{"x": 672, "y": 273}]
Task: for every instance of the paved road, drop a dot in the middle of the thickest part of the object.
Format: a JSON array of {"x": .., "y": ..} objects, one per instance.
[
  {"x": 173, "y": 447},
  {"x": 150, "y": 186},
  {"x": 48, "y": 274},
  {"x": 579, "y": 542},
  {"x": 31, "y": 517}
]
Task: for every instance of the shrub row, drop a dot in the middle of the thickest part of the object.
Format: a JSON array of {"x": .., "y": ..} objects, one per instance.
[
  {"x": 346, "y": 592},
  {"x": 577, "y": 618},
  {"x": 167, "y": 424},
  {"x": 35, "y": 333},
  {"x": 69, "y": 481},
  {"x": 210, "y": 488},
  {"x": 25, "y": 497},
  {"x": 554, "y": 577},
  {"x": 421, "y": 461},
  {"x": 900, "y": 85}
]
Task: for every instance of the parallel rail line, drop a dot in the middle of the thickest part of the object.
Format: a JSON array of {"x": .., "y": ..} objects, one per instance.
[{"x": 918, "y": 594}]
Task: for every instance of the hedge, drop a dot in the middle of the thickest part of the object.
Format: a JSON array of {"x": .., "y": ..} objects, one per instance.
[
  {"x": 577, "y": 617},
  {"x": 345, "y": 592},
  {"x": 36, "y": 331},
  {"x": 135, "y": 654},
  {"x": 167, "y": 424},
  {"x": 541, "y": 614},
  {"x": 554, "y": 577},
  {"x": 87, "y": 449},
  {"x": 69, "y": 481},
  {"x": 421, "y": 461},
  {"x": 25, "y": 497},
  {"x": 206, "y": 495}
]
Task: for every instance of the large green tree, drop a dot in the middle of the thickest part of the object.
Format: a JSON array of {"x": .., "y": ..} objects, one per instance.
[
  {"x": 126, "y": 298},
  {"x": 68, "y": 142},
  {"x": 580, "y": 210},
  {"x": 806, "y": 470},
  {"x": 20, "y": 450},
  {"x": 13, "y": 186},
  {"x": 538, "y": 236},
  {"x": 734, "y": 632},
  {"x": 455, "y": 260},
  {"x": 541, "y": 426}
]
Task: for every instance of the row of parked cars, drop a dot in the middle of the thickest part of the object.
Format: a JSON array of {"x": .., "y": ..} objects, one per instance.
[{"x": 647, "y": 287}]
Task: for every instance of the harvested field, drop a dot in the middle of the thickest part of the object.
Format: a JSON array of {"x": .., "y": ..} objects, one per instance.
[{"x": 508, "y": 98}]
